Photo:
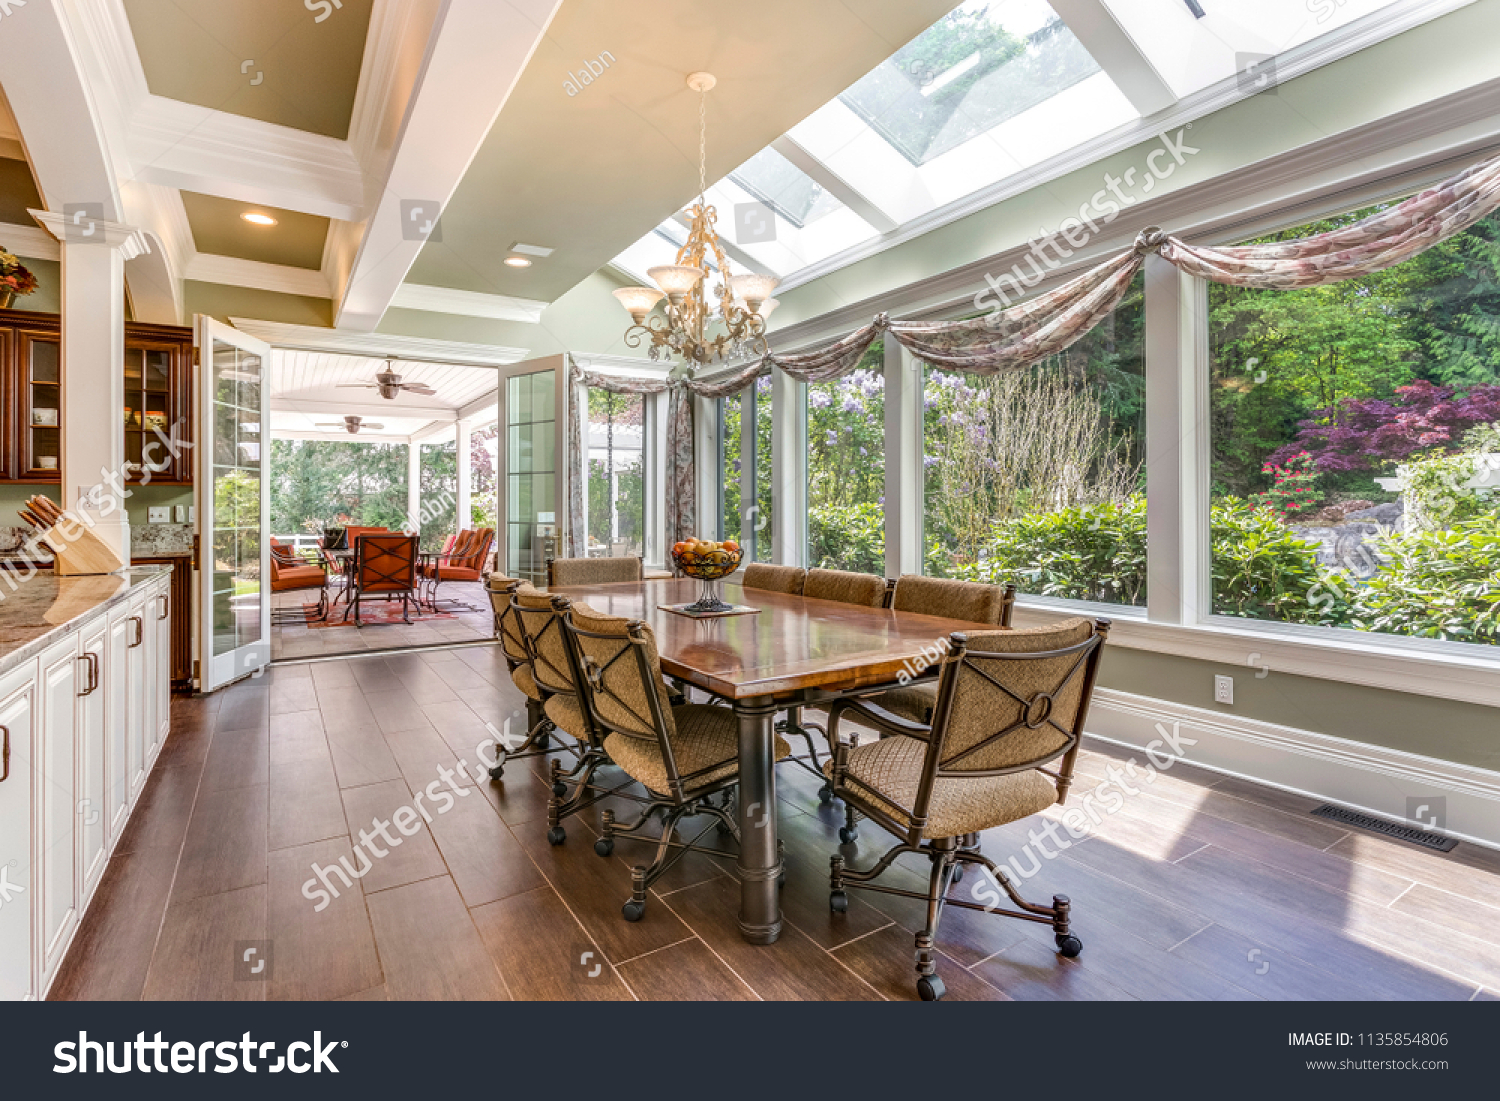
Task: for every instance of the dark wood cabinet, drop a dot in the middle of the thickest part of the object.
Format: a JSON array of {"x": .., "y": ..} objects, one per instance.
[
  {"x": 182, "y": 616},
  {"x": 158, "y": 409}
]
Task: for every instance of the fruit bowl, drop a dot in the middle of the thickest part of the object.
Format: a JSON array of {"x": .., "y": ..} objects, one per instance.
[{"x": 709, "y": 563}]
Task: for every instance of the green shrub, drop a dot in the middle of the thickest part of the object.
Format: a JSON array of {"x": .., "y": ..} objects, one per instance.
[
  {"x": 1435, "y": 584},
  {"x": 1096, "y": 552},
  {"x": 1438, "y": 494},
  {"x": 1261, "y": 570},
  {"x": 847, "y": 537}
]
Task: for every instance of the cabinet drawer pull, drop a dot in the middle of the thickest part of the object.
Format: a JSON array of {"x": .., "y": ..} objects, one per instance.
[
  {"x": 165, "y": 605},
  {"x": 5, "y": 755},
  {"x": 140, "y": 631},
  {"x": 93, "y": 677}
]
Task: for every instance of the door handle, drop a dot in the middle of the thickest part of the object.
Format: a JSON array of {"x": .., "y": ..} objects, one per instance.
[
  {"x": 165, "y": 606},
  {"x": 5, "y": 755},
  {"x": 93, "y": 675},
  {"x": 140, "y": 631}
]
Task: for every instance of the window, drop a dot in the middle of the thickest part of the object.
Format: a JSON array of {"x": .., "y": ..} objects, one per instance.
[
  {"x": 745, "y": 470},
  {"x": 846, "y": 469},
  {"x": 1036, "y": 477},
  {"x": 616, "y": 474},
  {"x": 1356, "y": 445}
]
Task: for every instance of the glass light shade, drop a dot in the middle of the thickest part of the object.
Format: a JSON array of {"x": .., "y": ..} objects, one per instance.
[
  {"x": 754, "y": 288},
  {"x": 766, "y": 307},
  {"x": 638, "y": 301},
  {"x": 676, "y": 279}
]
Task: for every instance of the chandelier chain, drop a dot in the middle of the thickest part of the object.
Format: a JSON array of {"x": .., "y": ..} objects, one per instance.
[{"x": 703, "y": 147}]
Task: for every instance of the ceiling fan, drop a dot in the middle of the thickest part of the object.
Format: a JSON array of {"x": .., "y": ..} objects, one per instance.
[
  {"x": 351, "y": 425},
  {"x": 389, "y": 384}
]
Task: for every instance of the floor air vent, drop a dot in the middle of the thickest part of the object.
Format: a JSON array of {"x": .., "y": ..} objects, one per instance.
[{"x": 1426, "y": 838}]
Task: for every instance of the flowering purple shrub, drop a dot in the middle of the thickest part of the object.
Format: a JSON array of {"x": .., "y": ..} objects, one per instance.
[{"x": 1367, "y": 433}]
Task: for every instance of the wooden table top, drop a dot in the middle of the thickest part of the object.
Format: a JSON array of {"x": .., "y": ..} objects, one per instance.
[{"x": 793, "y": 643}]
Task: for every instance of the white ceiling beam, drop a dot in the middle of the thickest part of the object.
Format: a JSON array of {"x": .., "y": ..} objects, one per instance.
[
  {"x": 473, "y": 61},
  {"x": 314, "y": 338},
  {"x": 436, "y": 428},
  {"x": 207, "y": 267},
  {"x": 1094, "y": 25},
  {"x": 32, "y": 242},
  {"x": 501, "y": 307},
  {"x": 831, "y": 182},
  {"x": 360, "y": 407},
  {"x": 485, "y": 406},
  {"x": 337, "y": 437}
]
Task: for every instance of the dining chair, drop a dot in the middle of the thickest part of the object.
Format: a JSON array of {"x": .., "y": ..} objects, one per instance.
[
  {"x": 555, "y": 667},
  {"x": 845, "y": 587},
  {"x": 967, "y": 600},
  {"x": 774, "y": 579},
  {"x": 681, "y": 755},
  {"x": 384, "y": 566},
  {"x": 1009, "y": 704},
  {"x": 518, "y": 660},
  {"x": 292, "y": 573},
  {"x": 562, "y": 572}
]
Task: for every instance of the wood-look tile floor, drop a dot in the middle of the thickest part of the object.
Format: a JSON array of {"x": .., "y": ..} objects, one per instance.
[
  {"x": 1197, "y": 887},
  {"x": 473, "y": 623}
]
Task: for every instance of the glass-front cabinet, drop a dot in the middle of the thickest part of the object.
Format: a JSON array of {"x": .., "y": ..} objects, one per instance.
[{"x": 158, "y": 372}]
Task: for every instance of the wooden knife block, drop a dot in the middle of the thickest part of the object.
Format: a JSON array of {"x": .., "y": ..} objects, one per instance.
[{"x": 86, "y": 553}]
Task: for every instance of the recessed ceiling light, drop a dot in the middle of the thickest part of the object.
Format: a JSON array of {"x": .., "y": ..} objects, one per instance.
[
  {"x": 254, "y": 217},
  {"x": 518, "y": 261}
]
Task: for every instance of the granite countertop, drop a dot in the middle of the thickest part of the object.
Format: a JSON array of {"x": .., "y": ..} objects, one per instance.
[
  {"x": 161, "y": 540},
  {"x": 44, "y": 607}
]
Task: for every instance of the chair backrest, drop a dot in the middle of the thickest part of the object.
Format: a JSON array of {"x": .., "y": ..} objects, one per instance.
[
  {"x": 967, "y": 600},
  {"x": 540, "y": 616},
  {"x": 1013, "y": 700},
  {"x": 508, "y": 627},
  {"x": 593, "y": 571},
  {"x": 351, "y": 535},
  {"x": 864, "y": 589},
  {"x": 479, "y": 549},
  {"x": 775, "y": 579},
  {"x": 624, "y": 689},
  {"x": 385, "y": 563}
]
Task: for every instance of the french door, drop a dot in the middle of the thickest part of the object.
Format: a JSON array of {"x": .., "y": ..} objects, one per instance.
[
  {"x": 234, "y": 501},
  {"x": 532, "y": 511}
]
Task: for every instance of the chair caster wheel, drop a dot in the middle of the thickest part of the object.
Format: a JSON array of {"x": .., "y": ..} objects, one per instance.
[
  {"x": 958, "y": 874},
  {"x": 497, "y": 772},
  {"x": 838, "y": 902},
  {"x": 847, "y": 836},
  {"x": 930, "y": 988},
  {"x": 1069, "y": 946},
  {"x": 556, "y": 835},
  {"x": 604, "y": 846},
  {"x": 825, "y": 794},
  {"x": 633, "y": 910},
  {"x": 560, "y": 790}
]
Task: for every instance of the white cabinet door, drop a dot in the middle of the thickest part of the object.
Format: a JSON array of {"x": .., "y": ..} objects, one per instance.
[
  {"x": 56, "y": 839},
  {"x": 94, "y": 838},
  {"x": 17, "y": 881},
  {"x": 122, "y": 752},
  {"x": 162, "y": 682},
  {"x": 139, "y": 692}
]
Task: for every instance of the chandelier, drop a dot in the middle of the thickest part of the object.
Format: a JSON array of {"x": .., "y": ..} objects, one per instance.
[{"x": 691, "y": 326}]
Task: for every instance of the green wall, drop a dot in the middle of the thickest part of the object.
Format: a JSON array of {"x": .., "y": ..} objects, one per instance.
[{"x": 1448, "y": 730}]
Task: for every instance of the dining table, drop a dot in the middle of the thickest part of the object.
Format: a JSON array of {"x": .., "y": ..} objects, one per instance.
[{"x": 791, "y": 651}]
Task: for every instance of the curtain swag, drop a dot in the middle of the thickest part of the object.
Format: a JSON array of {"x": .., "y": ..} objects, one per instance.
[{"x": 1033, "y": 330}]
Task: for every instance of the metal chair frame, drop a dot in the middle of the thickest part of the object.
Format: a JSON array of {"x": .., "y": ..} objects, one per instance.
[
  {"x": 539, "y": 728},
  {"x": 285, "y": 616},
  {"x": 409, "y": 570},
  {"x": 949, "y": 854}
]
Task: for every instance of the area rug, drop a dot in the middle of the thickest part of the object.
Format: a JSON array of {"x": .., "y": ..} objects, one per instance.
[{"x": 372, "y": 612}]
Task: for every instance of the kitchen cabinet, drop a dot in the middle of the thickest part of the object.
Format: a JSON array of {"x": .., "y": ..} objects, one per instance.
[
  {"x": 158, "y": 372},
  {"x": 83, "y": 720}
]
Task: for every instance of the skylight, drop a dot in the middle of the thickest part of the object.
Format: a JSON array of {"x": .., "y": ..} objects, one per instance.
[
  {"x": 968, "y": 73},
  {"x": 784, "y": 187}
]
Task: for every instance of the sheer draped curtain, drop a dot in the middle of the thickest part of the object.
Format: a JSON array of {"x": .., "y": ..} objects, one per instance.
[{"x": 1024, "y": 334}]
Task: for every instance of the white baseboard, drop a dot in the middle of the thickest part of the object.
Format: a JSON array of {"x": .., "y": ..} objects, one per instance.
[{"x": 1364, "y": 777}]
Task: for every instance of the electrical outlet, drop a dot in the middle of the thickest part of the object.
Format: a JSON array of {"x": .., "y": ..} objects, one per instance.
[
  {"x": 1223, "y": 689},
  {"x": 159, "y": 514}
]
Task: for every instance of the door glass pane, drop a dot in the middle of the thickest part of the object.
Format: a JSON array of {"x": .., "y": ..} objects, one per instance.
[
  {"x": 530, "y": 504},
  {"x": 236, "y": 494}
]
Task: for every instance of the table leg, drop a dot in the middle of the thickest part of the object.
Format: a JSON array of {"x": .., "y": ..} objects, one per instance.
[{"x": 759, "y": 864}]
